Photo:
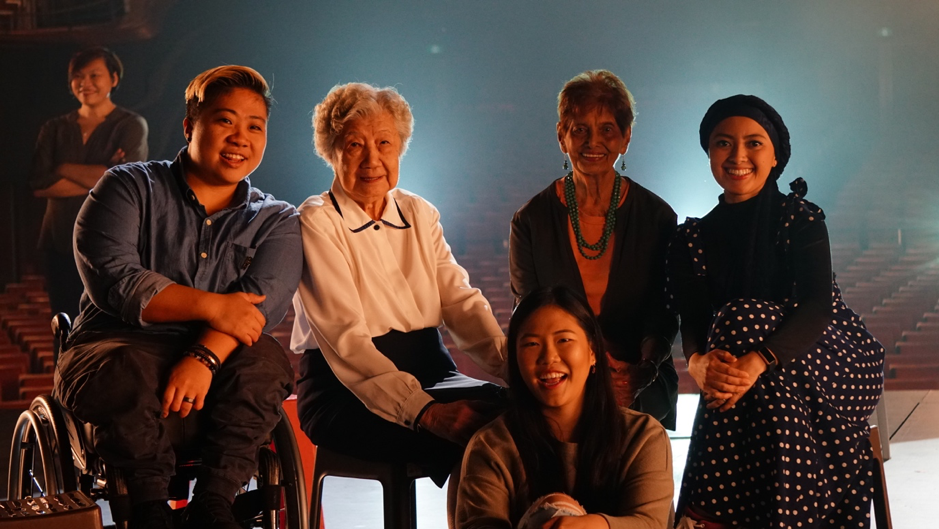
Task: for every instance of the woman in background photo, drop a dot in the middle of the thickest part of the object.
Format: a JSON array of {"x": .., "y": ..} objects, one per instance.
[{"x": 72, "y": 153}]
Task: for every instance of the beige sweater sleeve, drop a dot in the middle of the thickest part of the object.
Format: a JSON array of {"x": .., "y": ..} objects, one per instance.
[
  {"x": 646, "y": 488},
  {"x": 487, "y": 490}
]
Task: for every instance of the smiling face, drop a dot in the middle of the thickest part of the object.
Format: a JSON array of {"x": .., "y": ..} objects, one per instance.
[
  {"x": 367, "y": 158},
  {"x": 593, "y": 141},
  {"x": 227, "y": 139},
  {"x": 554, "y": 359},
  {"x": 742, "y": 157},
  {"x": 92, "y": 84}
]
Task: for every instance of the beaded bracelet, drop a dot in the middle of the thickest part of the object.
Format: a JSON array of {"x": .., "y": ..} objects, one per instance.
[
  {"x": 204, "y": 355},
  {"x": 202, "y": 360},
  {"x": 207, "y": 352}
]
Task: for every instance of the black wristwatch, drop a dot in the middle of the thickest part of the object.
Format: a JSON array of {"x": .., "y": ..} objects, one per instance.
[{"x": 768, "y": 357}]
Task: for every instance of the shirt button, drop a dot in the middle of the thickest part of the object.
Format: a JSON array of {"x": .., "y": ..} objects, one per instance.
[
  {"x": 208, "y": 222},
  {"x": 204, "y": 255},
  {"x": 377, "y": 227}
]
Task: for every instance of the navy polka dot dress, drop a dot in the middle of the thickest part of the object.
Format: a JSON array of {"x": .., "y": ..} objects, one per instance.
[{"x": 794, "y": 451}]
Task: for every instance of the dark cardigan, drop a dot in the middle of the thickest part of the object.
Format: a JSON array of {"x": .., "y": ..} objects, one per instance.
[{"x": 634, "y": 306}]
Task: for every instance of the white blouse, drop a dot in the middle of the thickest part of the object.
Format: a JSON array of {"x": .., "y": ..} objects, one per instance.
[{"x": 364, "y": 278}]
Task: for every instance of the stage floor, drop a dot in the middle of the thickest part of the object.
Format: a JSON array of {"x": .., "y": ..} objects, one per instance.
[{"x": 912, "y": 471}]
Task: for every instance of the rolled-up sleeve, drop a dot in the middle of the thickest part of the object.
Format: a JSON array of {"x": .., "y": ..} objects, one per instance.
[
  {"x": 275, "y": 267},
  {"x": 331, "y": 303},
  {"x": 107, "y": 233},
  {"x": 133, "y": 139}
]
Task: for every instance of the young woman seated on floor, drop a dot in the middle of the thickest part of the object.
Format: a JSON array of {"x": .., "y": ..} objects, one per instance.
[{"x": 564, "y": 455}]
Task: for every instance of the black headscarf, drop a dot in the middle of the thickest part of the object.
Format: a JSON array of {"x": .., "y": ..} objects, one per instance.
[
  {"x": 756, "y": 109},
  {"x": 753, "y": 271}
]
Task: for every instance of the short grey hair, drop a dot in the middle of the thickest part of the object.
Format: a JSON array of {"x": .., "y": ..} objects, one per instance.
[{"x": 356, "y": 100}]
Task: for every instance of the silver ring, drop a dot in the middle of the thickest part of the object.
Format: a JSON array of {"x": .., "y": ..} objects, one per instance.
[{"x": 190, "y": 400}]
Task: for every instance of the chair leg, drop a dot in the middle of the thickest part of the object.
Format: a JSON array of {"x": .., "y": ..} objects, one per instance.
[
  {"x": 399, "y": 498},
  {"x": 316, "y": 501},
  {"x": 881, "y": 501},
  {"x": 881, "y": 414}
]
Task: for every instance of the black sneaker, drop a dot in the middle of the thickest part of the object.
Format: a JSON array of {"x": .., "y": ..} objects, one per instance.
[
  {"x": 209, "y": 510},
  {"x": 151, "y": 515}
]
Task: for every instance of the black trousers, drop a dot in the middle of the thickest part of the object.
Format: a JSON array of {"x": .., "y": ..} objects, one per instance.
[
  {"x": 116, "y": 383},
  {"x": 333, "y": 417},
  {"x": 661, "y": 397}
]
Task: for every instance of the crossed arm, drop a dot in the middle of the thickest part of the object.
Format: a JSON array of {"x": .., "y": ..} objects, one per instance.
[
  {"x": 119, "y": 282},
  {"x": 231, "y": 319},
  {"x": 52, "y": 180}
]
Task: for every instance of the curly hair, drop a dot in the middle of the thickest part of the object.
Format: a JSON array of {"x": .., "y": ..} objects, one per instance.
[
  {"x": 597, "y": 88},
  {"x": 354, "y": 100}
]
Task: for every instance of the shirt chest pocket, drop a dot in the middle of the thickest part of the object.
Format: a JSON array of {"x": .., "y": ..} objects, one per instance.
[{"x": 238, "y": 260}]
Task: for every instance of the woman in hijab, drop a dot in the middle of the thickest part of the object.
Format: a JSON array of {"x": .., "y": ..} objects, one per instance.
[{"x": 788, "y": 374}]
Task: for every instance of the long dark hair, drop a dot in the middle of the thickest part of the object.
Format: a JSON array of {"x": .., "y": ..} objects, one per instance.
[{"x": 601, "y": 428}]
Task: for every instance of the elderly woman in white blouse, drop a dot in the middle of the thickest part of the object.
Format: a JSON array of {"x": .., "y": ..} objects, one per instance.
[{"x": 376, "y": 381}]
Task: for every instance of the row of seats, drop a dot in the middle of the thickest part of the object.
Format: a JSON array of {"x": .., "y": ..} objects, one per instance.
[{"x": 26, "y": 348}]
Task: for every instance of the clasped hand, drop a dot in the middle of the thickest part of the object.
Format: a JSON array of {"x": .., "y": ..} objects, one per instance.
[
  {"x": 235, "y": 314},
  {"x": 629, "y": 379},
  {"x": 457, "y": 421},
  {"x": 723, "y": 378}
]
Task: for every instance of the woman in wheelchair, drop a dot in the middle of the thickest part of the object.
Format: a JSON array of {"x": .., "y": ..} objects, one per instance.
[{"x": 185, "y": 265}]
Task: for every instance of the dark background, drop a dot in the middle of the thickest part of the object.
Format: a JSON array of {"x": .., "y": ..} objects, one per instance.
[{"x": 848, "y": 76}]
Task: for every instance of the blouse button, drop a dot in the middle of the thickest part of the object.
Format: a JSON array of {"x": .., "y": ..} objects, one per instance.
[
  {"x": 377, "y": 227},
  {"x": 208, "y": 222},
  {"x": 204, "y": 255}
]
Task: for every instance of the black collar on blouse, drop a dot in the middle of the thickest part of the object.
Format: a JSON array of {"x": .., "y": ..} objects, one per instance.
[{"x": 368, "y": 224}]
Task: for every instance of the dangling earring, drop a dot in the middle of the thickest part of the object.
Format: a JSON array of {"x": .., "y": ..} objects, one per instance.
[
  {"x": 566, "y": 166},
  {"x": 622, "y": 166}
]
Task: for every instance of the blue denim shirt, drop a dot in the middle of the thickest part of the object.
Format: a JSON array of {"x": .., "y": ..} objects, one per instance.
[{"x": 142, "y": 228}]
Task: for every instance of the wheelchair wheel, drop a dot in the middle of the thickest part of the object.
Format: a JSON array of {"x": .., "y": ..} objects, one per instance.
[
  {"x": 41, "y": 456},
  {"x": 280, "y": 497}
]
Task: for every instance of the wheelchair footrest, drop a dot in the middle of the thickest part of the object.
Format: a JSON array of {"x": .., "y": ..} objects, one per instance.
[{"x": 71, "y": 510}]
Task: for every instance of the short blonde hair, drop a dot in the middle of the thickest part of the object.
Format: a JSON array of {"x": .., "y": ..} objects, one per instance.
[
  {"x": 210, "y": 84},
  {"x": 356, "y": 100},
  {"x": 597, "y": 88}
]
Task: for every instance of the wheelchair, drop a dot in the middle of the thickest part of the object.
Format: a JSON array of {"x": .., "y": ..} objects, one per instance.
[{"x": 53, "y": 453}]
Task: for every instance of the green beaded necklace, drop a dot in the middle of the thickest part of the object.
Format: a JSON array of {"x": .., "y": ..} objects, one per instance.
[{"x": 608, "y": 224}]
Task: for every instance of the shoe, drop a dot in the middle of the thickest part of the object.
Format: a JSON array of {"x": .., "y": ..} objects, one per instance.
[
  {"x": 155, "y": 514},
  {"x": 209, "y": 510}
]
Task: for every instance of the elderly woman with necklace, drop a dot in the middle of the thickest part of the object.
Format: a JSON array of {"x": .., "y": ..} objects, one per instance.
[{"x": 621, "y": 274}]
